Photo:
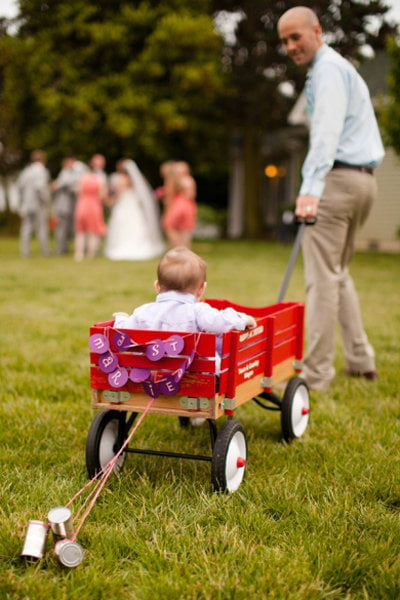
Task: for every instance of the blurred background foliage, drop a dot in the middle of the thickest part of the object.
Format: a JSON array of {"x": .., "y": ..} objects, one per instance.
[{"x": 183, "y": 79}]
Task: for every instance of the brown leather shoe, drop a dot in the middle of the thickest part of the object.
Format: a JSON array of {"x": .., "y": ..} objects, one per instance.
[{"x": 370, "y": 375}]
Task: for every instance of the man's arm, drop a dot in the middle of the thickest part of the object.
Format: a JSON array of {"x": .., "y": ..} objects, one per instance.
[{"x": 327, "y": 121}]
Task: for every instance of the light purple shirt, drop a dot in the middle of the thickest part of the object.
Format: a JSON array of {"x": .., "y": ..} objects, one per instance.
[{"x": 176, "y": 311}]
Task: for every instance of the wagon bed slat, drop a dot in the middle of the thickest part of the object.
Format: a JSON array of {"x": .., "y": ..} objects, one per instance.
[{"x": 192, "y": 384}]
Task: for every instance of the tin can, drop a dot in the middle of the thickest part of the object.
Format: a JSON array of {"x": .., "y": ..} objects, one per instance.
[
  {"x": 70, "y": 554},
  {"x": 61, "y": 523},
  {"x": 35, "y": 540}
]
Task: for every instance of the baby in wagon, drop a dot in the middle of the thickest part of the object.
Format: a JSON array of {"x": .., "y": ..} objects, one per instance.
[{"x": 180, "y": 285}]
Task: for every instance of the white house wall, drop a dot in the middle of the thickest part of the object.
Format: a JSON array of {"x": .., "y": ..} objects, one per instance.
[{"x": 382, "y": 228}]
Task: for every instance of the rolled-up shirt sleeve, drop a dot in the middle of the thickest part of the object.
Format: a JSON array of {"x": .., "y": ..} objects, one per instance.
[{"x": 219, "y": 321}]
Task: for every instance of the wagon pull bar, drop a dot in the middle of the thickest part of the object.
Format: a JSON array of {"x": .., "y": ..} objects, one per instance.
[{"x": 293, "y": 256}]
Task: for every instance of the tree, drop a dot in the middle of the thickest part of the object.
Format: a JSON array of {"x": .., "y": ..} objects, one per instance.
[
  {"x": 154, "y": 80},
  {"x": 391, "y": 113},
  {"x": 138, "y": 79},
  {"x": 258, "y": 68}
]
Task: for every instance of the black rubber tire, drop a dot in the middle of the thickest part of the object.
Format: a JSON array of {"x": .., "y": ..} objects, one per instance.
[
  {"x": 101, "y": 441},
  {"x": 295, "y": 409},
  {"x": 230, "y": 445}
]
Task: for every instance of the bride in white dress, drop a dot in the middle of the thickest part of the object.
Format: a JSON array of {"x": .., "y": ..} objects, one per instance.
[{"x": 133, "y": 230}]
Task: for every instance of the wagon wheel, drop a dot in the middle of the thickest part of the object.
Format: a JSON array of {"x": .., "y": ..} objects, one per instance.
[
  {"x": 295, "y": 409},
  {"x": 106, "y": 435},
  {"x": 229, "y": 457}
]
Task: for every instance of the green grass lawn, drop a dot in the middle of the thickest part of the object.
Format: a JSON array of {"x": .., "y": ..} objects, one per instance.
[{"x": 317, "y": 519}]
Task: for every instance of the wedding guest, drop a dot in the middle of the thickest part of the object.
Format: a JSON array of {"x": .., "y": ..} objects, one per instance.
[
  {"x": 179, "y": 219},
  {"x": 89, "y": 215},
  {"x": 163, "y": 192},
  {"x": 33, "y": 185},
  {"x": 98, "y": 164},
  {"x": 65, "y": 189},
  {"x": 171, "y": 171}
]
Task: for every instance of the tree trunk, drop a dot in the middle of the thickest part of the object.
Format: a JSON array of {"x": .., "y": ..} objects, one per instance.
[
  {"x": 253, "y": 217},
  {"x": 235, "y": 224}
]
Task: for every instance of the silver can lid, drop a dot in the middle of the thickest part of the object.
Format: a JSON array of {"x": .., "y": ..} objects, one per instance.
[
  {"x": 59, "y": 514},
  {"x": 70, "y": 554}
]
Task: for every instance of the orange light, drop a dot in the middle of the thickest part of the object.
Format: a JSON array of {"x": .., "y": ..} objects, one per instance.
[
  {"x": 271, "y": 171},
  {"x": 281, "y": 171}
]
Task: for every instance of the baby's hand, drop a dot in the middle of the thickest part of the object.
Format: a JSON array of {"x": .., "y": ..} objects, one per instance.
[
  {"x": 251, "y": 322},
  {"x": 120, "y": 314}
]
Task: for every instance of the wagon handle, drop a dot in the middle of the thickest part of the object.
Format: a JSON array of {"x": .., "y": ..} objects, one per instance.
[{"x": 303, "y": 223}]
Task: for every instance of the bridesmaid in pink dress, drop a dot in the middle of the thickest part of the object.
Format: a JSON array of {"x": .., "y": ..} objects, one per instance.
[{"x": 89, "y": 215}]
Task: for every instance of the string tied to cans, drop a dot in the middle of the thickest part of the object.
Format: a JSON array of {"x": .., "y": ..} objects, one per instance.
[
  {"x": 100, "y": 479},
  {"x": 60, "y": 521}
]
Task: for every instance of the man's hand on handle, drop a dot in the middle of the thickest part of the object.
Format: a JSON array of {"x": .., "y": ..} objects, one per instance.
[{"x": 307, "y": 206}]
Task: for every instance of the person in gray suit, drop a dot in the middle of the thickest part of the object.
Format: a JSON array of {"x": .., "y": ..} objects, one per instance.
[
  {"x": 34, "y": 200},
  {"x": 65, "y": 190}
]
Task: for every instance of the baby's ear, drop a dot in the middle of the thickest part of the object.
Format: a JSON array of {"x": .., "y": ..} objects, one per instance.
[
  {"x": 157, "y": 286},
  {"x": 201, "y": 290}
]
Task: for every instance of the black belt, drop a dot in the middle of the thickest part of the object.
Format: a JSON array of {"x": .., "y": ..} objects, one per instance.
[{"x": 340, "y": 165}]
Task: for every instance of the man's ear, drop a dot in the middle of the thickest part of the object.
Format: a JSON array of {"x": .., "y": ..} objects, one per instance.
[
  {"x": 318, "y": 30},
  {"x": 157, "y": 286}
]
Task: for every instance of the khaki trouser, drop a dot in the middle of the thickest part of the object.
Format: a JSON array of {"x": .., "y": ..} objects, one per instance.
[{"x": 331, "y": 296}]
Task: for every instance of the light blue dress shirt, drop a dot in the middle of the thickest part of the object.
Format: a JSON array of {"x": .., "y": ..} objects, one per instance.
[{"x": 343, "y": 124}]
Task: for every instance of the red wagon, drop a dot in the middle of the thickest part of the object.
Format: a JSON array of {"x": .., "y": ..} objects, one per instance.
[{"x": 182, "y": 375}]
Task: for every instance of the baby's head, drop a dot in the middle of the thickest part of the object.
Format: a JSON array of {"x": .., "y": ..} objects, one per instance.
[{"x": 181, "y": 270}]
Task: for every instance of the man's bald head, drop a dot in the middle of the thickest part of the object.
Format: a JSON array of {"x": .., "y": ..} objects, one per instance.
[
  {"x": 301, "y": 14},
  {"x": 300, "y": 33}
]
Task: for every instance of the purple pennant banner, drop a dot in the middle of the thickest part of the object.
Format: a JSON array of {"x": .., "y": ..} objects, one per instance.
[
  {"x": 179, "y": 373},
  {"x": 167, "y": 385},
  {"x": 121, "y": 340},
  {"x": 99, "y": 343},
  {"x": 155, "y": 350},
  {"x": 118, "y": 378},
  {"x": 174, "y": 345},
  {"x": 138, "y": 374},
  {"x": 108, "y": 362},
  {"x": 191, "y": 357},
  {"x": 151, "y": 388}
]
